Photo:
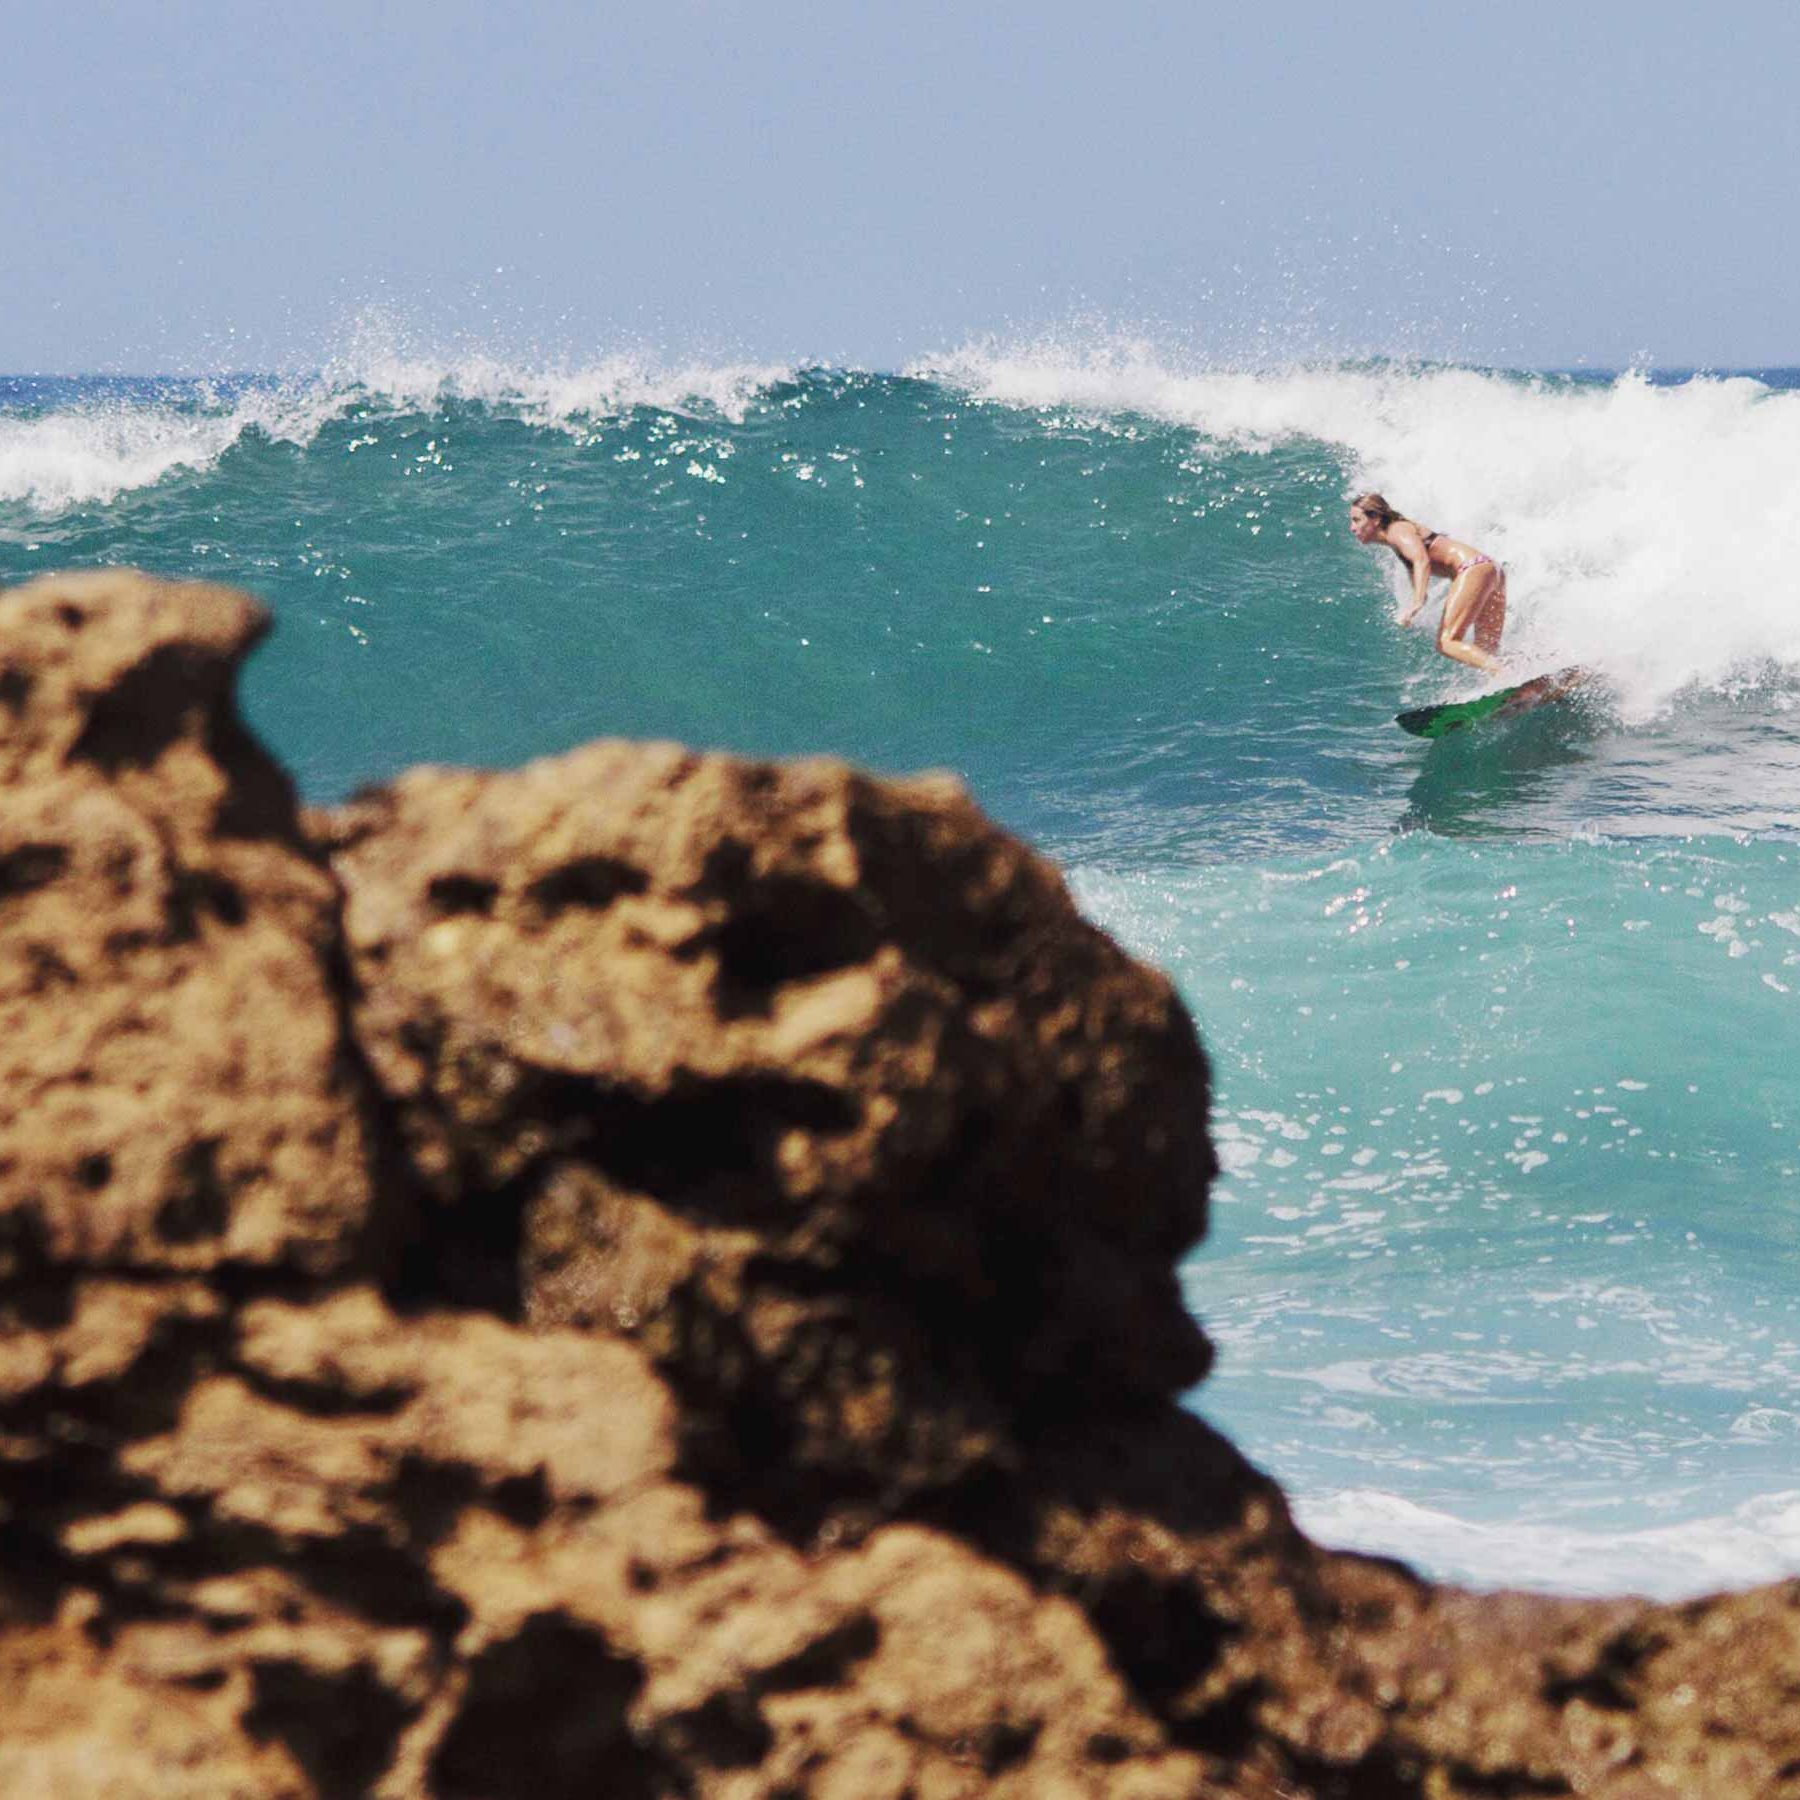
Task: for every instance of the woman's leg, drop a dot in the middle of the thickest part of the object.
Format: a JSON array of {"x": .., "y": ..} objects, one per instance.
[{"x": 1475, "y": 607}]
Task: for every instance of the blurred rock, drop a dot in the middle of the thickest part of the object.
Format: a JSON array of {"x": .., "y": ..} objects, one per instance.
[
  {"x": 816, "y": 1086},
  {"x": 653, "y": 1275}
]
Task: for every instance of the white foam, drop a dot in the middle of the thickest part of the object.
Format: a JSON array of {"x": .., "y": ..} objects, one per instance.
[
  {"x": 1757, "y": 1542},
  {"x": 103, "y": 446},
  {"x": 379, "y": 361},
  {"x": 1652, "y": 532},
  {"x": 574, "y": 395}
]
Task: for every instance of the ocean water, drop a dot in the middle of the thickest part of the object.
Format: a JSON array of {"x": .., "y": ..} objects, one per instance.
[{"x": 1505, "y": 1265}]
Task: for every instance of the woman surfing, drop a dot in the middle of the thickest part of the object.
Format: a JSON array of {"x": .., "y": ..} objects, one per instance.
[{"x": 1474, "y": 608}]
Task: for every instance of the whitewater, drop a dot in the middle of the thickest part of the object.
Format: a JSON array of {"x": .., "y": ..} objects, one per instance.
[{"x": 1505, "y": 1258}]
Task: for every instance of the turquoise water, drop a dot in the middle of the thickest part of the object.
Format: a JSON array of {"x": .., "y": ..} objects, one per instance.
[{"x": 1504, "y": 1263}]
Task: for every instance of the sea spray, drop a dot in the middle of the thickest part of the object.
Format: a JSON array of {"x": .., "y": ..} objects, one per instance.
[{"x": 1650, "y": 530}]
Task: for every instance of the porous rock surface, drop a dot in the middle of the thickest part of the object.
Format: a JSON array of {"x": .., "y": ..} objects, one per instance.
[{"x": 652, "y": 1275}]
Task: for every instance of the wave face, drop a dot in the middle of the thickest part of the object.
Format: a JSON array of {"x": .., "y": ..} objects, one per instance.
[{"x": 1505, "y": 1255}]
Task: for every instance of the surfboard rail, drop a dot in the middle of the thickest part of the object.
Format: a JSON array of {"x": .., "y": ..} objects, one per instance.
[{"x": 1504, "y": 703}]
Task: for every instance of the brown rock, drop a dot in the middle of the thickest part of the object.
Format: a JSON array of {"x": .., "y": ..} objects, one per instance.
[
  {"x": 662, "y": 1286},
  {"x": 177, "y": 1091},
  {"x": 819, "y": 1086}
]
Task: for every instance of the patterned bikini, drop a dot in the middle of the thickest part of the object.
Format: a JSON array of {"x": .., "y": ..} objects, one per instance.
[{"x": 1475, "y": 562}]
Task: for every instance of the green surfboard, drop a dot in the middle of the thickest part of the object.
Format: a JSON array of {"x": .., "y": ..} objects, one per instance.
[{"x": 1508, "y": 703}]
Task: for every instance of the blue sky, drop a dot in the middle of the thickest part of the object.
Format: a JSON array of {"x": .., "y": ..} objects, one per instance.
[{"x": 193, "y": 185}]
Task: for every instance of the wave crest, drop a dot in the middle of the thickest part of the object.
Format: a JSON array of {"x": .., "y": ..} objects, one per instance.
[
  {"x": 132, "y": 435},
  {"x": 1650, "y": 529},
  {"x": 86, "y": 448}
]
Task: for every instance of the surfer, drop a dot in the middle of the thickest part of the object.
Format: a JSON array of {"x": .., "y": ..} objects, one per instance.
[{"x": 1474, "y": 608}]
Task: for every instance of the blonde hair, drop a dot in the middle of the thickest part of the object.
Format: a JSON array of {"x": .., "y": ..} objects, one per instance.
[{"x": 1376, "y": 506}]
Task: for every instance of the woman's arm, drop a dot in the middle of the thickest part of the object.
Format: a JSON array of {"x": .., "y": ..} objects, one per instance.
[{"x": 1403, "y": 536}]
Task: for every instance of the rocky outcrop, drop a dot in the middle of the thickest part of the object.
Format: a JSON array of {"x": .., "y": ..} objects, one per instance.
[
  {"x": 177, "y": 1090},
  {"x": 810, "y": 1085},
  {"x": 652, "y": 1275}
]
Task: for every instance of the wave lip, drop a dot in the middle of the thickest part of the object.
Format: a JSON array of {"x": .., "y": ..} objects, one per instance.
[
  {"x": 552, "y": 396},
  {"x": 114, "y": 442},
  {"x": 122, "y": 439}
]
